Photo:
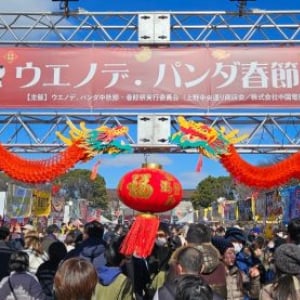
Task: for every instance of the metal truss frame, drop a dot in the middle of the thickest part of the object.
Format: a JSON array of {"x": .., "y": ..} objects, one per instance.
[
  {"x": 34, "y": 131},
  {"x": 197, "y": 28}
]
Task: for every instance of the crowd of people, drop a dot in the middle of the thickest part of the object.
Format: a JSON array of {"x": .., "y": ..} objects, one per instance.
[{"x": 188, "y": 262}]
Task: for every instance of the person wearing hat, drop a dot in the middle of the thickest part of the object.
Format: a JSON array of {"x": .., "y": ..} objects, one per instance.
[
  {"x": 245, "y": 257},
  {"x": 239, "y": 287},
  {"x": 287, "y": 283}
]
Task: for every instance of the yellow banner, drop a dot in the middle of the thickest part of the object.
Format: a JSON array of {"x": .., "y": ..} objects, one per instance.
[{"x": 41, "y": 203}]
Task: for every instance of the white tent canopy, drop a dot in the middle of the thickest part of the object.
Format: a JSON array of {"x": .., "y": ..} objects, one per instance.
[{"x": 188, "y": 218}]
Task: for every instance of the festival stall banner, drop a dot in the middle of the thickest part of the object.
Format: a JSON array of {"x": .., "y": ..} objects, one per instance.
[
  {"x": 295, "y": 202},
  {"x": 102, "y": 78},
  {"x": 83, "y": 208},
  {"x": 273, "y": 206},
  {"x": 259, "y": 208},
  {"x": 2, "y": 203},
  {"x": 57, "y": 208},
  {"x": 286, "y": 198},
  {"x": 230, "y": 210},
  {"x": 290, "y": 202},
  {"x": 216, "y": 211},
  {"x": 41, "y": 203},
  {"x": 18, "y": 202},
  {"x": 245, "y": 209}
]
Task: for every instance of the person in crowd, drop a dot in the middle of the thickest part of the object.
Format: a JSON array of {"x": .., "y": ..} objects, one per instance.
[
  {"x": 92, "y": 246},
  {"x": 192, "y": 287},
  {"x": 51, "y": 236},
  {"x": 239, "y": 286},
  {"x": 293, "y": 231},
  {"x": 186, "y": 260},
  {"x": 46, "y": 271},
  {"x": 245, "y": 258},
  {"x": 213, "y": 271},
  {"x": 75, "y": 279},
  {"x": 16, "y": 237},
  {"x": 286, "y": 285},
  {"x": 72, "y": 238},
  {"x": 20, "y": 284},
  {"x": 113, "y": 283},
  {"x": 34, "y": 250},
  {"x": 27, "y": 227},
  {"x": 177, "y": 238},
  {"x": 220, "y": 231},
  {"x": 157, "y": 262},
  {"x": 5, "y": 251}
]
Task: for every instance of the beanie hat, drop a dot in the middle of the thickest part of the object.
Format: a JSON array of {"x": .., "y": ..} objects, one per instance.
[
  {"x": 287, "y": 258},
  {"x": 235, "y": 234},
  {"x": 221, "y": 244}
]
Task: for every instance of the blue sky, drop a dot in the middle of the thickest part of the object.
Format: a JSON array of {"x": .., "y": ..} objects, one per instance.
[{"x": 181, "y": 165}]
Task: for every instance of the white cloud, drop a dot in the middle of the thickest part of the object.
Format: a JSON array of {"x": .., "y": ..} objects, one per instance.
[
  {"x": 190, "y": 180},
  {"x": 28, "y": 5},
  {"x": 125, "y": 160}
]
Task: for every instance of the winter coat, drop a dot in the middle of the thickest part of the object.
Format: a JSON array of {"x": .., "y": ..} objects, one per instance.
[
  {"x": 91, "y": 249},
  {"x": 113, "y": 285},
  {"x": 268, "y": 292},
  {"x": 168, "y": 292},
  {"x": 35, "y": 259},
  {"x": 5, "y": 252},
  {"x": 213, "y": 269},
  {"x": 45, "y": 275},
  {"x": 238, "y": 286},
  {"x": 24, "y": 285}
]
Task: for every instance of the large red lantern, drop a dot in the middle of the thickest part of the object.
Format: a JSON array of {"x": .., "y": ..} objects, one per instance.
[{"x": 149, "y": 190}]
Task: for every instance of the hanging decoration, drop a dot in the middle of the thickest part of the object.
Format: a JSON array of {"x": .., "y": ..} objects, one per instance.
[
  {"x": 217, "y": 144},
  {"x": 261, "y": 177},
  {"x": 148, "y": 190},
  {"x": 82, "y": 145},
  {"x": 209, "y": 141}
]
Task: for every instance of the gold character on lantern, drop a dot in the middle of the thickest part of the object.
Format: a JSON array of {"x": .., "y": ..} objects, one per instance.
[
  {"x": 170, "y": 200},
  {"x": 165, "y": 186},
  {"x": 177, "y": 189},
  {"x": 140, "y": 187}
]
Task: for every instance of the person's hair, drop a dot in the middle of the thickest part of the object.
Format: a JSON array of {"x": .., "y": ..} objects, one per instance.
[
  {"x": 294, "y": 230},
  {"x": 32, "y": 241},
  {"x": 112, "y": 252},
  {"x": 70, "y": 238},
  {"x": 198, "y": 234},
  {"x": 189, "y": 258},
  {"x": 18, "y": 262},
  {"x": 57, "y": 251},
  {"x": 53, "y": 228},
  {"x": 192, "y": 287},
  {"x": 75, "y": 279},
  {"x": 4, "y": 232},
  {"x": 284, "y": 287},
  {"x": 94, "y": 229}
]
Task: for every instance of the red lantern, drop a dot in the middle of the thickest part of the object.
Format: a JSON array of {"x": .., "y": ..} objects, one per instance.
[{"x": 149, "y": 190}]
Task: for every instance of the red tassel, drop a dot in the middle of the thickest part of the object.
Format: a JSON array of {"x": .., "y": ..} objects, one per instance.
[
  {"x": 95, "y": 170},
  {"x": 199, "y": 164},
  {"x": 141, "y": 237}
]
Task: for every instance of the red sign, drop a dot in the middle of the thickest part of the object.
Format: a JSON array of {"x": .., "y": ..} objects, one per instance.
[{"x": 173, "y": 78}]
